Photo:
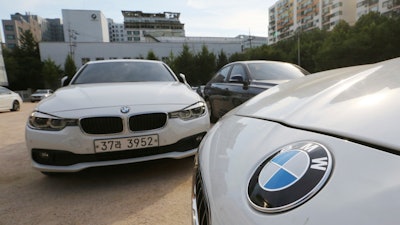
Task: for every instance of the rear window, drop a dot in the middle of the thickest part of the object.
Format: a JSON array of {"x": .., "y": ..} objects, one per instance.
[{"x": 112, "y": 72}]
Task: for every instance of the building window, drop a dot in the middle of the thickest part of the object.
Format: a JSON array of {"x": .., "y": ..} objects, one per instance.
[
  {"x": 9, "y": 27},
  {"x": 10, "y": 37}
]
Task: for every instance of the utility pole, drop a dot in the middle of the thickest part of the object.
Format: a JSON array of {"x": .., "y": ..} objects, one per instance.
[
  {"x": 72, "y": 35},
  {"x": 298, "y": 31}
]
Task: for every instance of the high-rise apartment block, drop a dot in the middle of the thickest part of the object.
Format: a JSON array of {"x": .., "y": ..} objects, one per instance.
[
  {"x": 385, "y": 7},
  {"x": 116, "y": 31},
  {"x": 286, "y": 17},
  {"x": 41, "y": 29},
  {"x": 17, "y": 25}
]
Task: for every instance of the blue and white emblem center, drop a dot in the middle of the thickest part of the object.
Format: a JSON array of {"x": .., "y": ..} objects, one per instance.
[{"x": 284, "y": 170}]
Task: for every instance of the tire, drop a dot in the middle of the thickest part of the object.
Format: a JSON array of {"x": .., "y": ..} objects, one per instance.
[{"x": 15, "y": 106}]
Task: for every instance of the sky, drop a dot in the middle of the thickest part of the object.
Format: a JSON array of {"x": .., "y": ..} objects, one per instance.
[{"x": 202, "y": 18}]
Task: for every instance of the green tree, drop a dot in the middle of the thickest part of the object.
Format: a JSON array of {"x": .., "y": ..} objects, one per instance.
[
  {"x": 335, "y": 51},
  {"x": 204, "y": 66},
  {"x": 184, "y": 63},
  {"x": 151, "y": 55},
  {"x": 51, "y": 74},
  {"x": 170, "y": 61},
  {"x": 23, "y": 64},
  {"x": 69, "y": 67},
  {"x": 222, "y": 60}
]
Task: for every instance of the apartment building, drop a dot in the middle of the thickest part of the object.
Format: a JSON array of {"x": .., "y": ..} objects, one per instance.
[
  {"x": 52, "y": 30},
  {"x": 17, "y": 25},
  {"x": 385, "y": 7},
  {"x": 288, "y": 17},
  {"x": 116, "y": 31},
  {"x": 146, "y": 27}
]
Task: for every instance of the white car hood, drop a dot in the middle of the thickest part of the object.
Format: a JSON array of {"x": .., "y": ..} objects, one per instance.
[
  {"x": 89, "y": 96},
  {"x": 356, "y": 103}
]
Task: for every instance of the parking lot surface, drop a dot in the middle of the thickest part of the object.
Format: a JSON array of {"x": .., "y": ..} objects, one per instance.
[{"x": 156, "y": 192}]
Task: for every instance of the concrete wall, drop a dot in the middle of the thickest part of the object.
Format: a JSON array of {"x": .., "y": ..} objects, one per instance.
[{"x": 58, "y": 51}]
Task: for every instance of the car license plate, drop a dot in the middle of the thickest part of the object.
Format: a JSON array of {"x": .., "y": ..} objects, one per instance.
[{"x": 138, "y": 142}]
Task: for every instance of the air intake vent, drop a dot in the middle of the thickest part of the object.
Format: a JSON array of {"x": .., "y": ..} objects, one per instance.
[
  {"x": 102, "y": 125},
  {"x": 147, "y": 121}
]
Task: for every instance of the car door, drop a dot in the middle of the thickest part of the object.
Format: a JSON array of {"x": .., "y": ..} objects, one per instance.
[
  {"x": 237, "y": 88},
  {"x": 215, "y": 92},
  {"x": 5, "y": 98}
]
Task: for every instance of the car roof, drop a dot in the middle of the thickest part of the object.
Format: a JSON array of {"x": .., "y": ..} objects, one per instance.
[{"x": 123, "y": 60}]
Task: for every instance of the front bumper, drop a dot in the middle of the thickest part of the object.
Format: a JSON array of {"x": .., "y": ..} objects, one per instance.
[{"x": 71, "y": 150}]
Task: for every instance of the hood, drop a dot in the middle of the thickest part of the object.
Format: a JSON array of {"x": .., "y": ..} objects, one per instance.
[
  {"x": 76, "y": 97},
  {"x": 359, "y": 103}
]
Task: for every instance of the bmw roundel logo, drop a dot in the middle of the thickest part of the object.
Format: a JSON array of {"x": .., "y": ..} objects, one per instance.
[
  {"x": 289, "y": 177},
  {"x": 125, "y": 109}
]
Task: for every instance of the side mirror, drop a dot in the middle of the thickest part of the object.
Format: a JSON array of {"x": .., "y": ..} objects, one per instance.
[
  {"x": 183, "y": 79},
  {"x": 64, "y": 81},
  {"x": 237, "y": 78}
]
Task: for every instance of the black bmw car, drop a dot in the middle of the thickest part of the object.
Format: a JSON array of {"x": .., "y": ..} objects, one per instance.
[{"x": 237, "y": 82}]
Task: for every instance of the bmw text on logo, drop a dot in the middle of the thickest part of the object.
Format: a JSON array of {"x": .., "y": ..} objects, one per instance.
[
  {"x": 289, "y": 177},
  {"x": 125, "y": 109}
]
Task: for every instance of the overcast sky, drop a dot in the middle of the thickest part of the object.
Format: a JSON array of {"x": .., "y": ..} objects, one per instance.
[{"x": 211, "y": 18}]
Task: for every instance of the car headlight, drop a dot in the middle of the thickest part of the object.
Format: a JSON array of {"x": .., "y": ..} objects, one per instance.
[
  {"x": 191, "y": 112},
  {"x": 42, "y": 121}
]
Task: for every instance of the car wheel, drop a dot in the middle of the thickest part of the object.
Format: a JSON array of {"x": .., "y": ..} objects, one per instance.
[
  {"x": 15, "y": 106},
  {"x": 213, "y": 118}
]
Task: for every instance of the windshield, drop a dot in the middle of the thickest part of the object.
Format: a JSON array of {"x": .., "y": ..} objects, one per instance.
[
  {"x": 134, "y": 71},
  {"x": 275, "y": 71}
]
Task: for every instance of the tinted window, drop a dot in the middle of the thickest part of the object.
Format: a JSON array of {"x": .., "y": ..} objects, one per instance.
[
  {"x": 238, "y": 70},
  {"x": 222, "y": 74},
  {"x": 4, "y": 90},
  {"x": 274, "y": 71},
  {"x": 110, "y": 72}
]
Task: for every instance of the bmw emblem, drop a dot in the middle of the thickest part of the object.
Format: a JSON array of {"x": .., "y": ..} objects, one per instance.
[
  {"x": 125, "y": 109},
  {"x": 289, "y": 177}
]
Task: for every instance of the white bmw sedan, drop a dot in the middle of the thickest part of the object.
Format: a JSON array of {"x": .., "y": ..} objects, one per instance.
[
  {"x": 323, "y": 149},
  {"x": 116, "y": 112}
]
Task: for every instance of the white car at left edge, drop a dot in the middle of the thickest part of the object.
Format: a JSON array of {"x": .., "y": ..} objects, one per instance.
[{"x": 116, "y": 112}]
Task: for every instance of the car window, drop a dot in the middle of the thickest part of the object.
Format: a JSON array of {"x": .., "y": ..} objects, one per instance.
[
  {"x": 4, "y": 90},
  {"x": 238, "y": 73},
  {"x": 221, "y": 75},
  {"x": 110, "y": 72},
  {"x": 274, "y": 71}
]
